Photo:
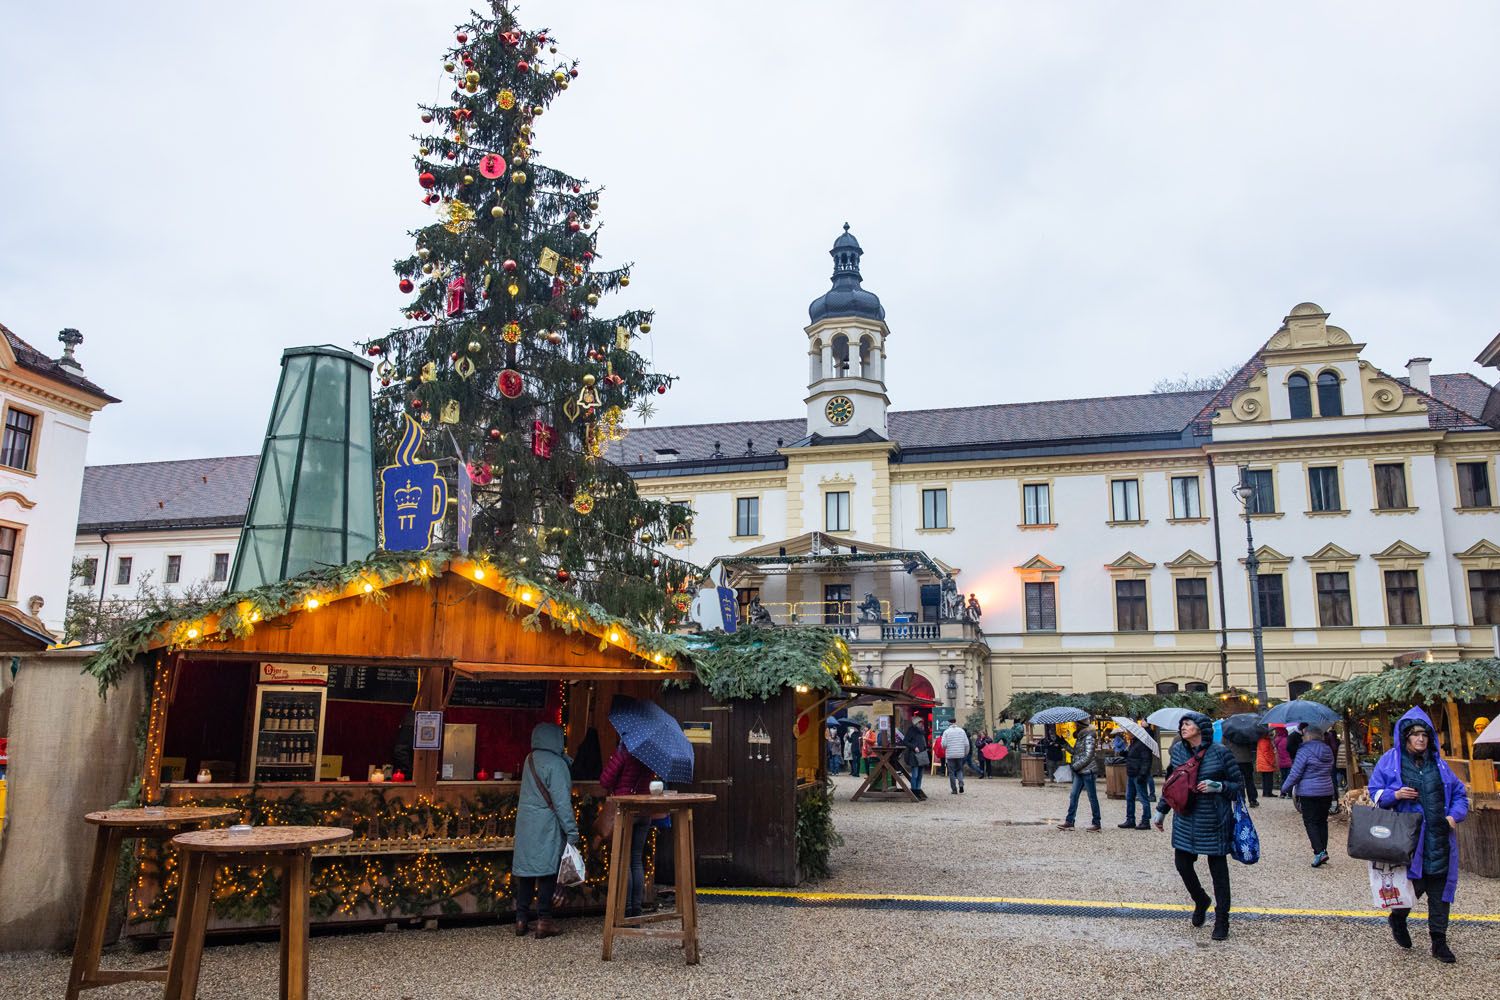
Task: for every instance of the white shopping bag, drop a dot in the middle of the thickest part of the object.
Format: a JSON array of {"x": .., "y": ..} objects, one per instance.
[
  {"x": 1390, "y": 888},
  {"x": 571, "y": 871},
  {"x": 1063, "y": 775}
]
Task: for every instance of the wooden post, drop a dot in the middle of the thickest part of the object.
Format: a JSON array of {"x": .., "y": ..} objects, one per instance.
[
  {"x": 156, "y": 727},
  {"x": 432, "y": 690}
]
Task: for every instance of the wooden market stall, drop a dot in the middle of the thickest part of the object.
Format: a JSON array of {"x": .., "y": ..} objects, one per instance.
[{"x": 290, "y": 705}]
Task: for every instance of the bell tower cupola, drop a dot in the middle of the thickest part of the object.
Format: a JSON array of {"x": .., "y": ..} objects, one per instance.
[{"x": 846, "y": 351}]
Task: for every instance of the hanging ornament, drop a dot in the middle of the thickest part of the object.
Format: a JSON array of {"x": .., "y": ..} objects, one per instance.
[
  {"x": 562, "y": 575},
  {"x": 505, "y": 100},
  {"x": 511, "y": 332},
  {"x": 429, "y": 372},
  {"x": 588, "y": 396},
  {"x": 465, "y": 368},
  {"x": 460, "y": 216},
  {"x": 449, "y": 414},
  {"x": 645, "y": 327},
  {"x": 471, "y": 77},
  {"x": 511, "y": 38},
  {"x": 554, "y": 337},
  {"x": 513, "y": 289},
  {"x": 427, "y": 180},
  {"x": 492, "y": 165},
  {"x": 548, "y": 260},
  {"x": 610, "y": 378},
  {"x": 456, "y": 296},
  {"x": 481, "y": 474},
  {"x": 518, "y": 177},
  {"x": 406, "y": 286},
  {"x": 543, "y": 436},
  {"x": 510, "y": 383},
  {"x": 583, "y": 502},
  {"x": 622, "y": 338},
  {"x": 661, "y": 390}
]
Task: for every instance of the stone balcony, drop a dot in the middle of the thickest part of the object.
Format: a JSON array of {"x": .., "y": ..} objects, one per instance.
[{"x": 899, "y": 632}]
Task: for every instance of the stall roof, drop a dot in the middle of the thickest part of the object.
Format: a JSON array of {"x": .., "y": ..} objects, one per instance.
[{"x": 409, "y": 611}]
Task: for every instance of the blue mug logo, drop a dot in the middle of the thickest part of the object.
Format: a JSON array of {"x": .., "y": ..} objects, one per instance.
[{"x": 413, "y": 496}]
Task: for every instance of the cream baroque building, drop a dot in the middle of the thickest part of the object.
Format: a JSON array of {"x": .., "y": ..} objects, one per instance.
[{"x": 1104, "y": 538}]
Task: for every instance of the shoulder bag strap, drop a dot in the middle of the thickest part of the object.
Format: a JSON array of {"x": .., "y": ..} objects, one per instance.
[{"x": 546, "y": 795}]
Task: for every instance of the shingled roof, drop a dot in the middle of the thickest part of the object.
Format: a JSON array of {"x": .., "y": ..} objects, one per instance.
[
  {"x": 31, "y": 359},
  {"x": 195, "y": 493},
  {"x": 1102, "y": 417}
]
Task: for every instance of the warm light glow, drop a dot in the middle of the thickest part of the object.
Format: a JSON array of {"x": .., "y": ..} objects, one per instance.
[
  {"x": 192, "y": 633},
  {"x": 479, "y": 572},
  {"x": 369, "y": 588},
  {"x": 802, "y": 689},
  {"x": 422, "y": 569},
  {"x": 255, "y": 616},
  {"x": 525, "y": 596},
  {"x": 614, "y": 637},
  {"x": 658, "y": 657},
  {"x": 312, "y": 604}
]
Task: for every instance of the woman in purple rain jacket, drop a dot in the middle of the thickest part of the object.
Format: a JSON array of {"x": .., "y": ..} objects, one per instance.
[{"x": 1412, "y": 777}]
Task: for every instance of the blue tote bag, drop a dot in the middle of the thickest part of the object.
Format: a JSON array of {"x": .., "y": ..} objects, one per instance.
[{"x": 1246, "y": 846}]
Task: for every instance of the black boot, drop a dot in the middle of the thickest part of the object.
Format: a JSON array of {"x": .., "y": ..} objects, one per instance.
[
  {"x": 1200, "y": 910},
  {"x": 1398, "y": 929},
  {"x": 1440, "y": 948}
]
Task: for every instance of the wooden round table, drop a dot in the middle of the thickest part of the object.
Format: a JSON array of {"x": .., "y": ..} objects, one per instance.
[
  {"x": 684, "y": 859},
  {"x": 114, "y": 826},
  {"x": 204, "y": 852}
]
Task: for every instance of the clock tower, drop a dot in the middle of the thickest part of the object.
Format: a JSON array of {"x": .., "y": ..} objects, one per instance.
[{"x": 846, "y": 352}]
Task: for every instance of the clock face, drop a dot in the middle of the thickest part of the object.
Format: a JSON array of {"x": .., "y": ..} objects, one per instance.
[{"x": 840, "y": 410}]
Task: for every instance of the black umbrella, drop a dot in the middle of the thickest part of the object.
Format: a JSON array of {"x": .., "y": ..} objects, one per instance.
[{"x": 1245, "y": 728}]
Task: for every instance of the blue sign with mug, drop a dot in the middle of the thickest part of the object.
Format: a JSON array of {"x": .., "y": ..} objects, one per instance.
[
  {"x": 729, "y": 607},
  {"x": 412, "y": 496}
]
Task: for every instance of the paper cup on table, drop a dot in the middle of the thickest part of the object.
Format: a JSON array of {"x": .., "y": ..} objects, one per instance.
[{"x": 657, "y": 787}]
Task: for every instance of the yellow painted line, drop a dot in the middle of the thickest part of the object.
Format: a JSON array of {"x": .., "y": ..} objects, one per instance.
[{"x": 1272, "y": 911}]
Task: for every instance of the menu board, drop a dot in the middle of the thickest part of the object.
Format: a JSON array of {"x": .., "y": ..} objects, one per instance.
[{"x": 397, "y": 685}]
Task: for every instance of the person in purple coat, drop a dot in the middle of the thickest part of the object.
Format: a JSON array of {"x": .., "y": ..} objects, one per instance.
[
  {"x": 1412, "y": 777},
  {"x": 1312, "y": 779}
]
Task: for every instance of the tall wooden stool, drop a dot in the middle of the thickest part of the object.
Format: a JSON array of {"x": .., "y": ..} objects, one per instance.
[
  {"x": 684, "y": 859},
  {"x": 204, "y": 852},
  {"x": 114, "y": 826}
]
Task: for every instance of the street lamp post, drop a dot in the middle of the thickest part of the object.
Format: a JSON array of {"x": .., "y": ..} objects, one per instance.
[{"x": 1243, "y": 492}]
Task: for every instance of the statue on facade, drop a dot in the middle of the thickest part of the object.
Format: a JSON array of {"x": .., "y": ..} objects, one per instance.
[
  {"x": 972, "y": 611},
  {"x": 951, "y": 609},
  {"x": 869, "y": 610},
  {"x": 759, "y": 616}
]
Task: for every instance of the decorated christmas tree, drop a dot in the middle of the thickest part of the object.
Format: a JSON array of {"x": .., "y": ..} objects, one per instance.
[{"x": 508, "y": 363}]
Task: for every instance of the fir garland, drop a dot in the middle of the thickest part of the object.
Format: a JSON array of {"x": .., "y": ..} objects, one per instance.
[
  {"x": 816, "y": 836},
  {"x": 760, "y": 662},
  {"x": 1417, "y": 684}
]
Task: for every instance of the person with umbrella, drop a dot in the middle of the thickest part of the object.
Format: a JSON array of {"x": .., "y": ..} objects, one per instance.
[
  {"x": 1205, "y": 823},
  {"x": 652, "y": 744},
  {"x": 1139, "y": 756},
  {"x": 1312, "y": 780},
  {"x": 1241, "y": 734}
]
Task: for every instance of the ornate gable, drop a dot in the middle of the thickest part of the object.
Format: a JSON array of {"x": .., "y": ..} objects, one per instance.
[
  {"x": 1038, "y": 569},
  {"x": 1271, "y": 559},
  {"x": 1400, "y": 555},
  {"x": 1483, "y": 554},
  {"x": 1332, "y": 557},
  {"x": 1130, "y": 567}
]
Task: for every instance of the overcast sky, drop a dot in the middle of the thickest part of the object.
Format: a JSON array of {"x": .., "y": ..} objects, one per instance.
[{"x": 1055, "y": 200}]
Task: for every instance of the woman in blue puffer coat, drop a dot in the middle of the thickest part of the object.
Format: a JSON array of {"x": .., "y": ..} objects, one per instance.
[
  {"x": 1412, "y": 777},
  {"x": 1206, "y": 826},
  {"x": 1311, "y": 778}
]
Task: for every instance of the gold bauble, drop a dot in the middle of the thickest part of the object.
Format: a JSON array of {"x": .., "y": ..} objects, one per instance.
[
  {"x": 475, "y": 347},
  {"x": 423, "y": 252},
  {"x": 559, "y": 76},
  {"x": 423, "y": 150},
  {"x": 496, "y": 212},
  {"x": 593, "y": 300},
  {"x": 563, "y": 85},
  {"x": 593, "y": 206},
  {"x": 589, "y": 380},
  {"x": 624, "y": 281},
  {"x": 537, "y": 110},
  {"x": 552, "y": 49},
  {"x": 426, "y": 268},
  {"x": 472, "y": 76},
  {"x": 472, "y": 88},
  {"x": 514, "y": 289},
  {"x": 645, "y": 327},
  {"x": 468, "y": 178},
  {"x": 553, "y": 337},
  {"x": 518, "y": 177},
  {"x": 448, "y": 67}
]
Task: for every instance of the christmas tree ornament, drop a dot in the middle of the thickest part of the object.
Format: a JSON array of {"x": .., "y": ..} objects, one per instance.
[
  {"x": 647, "y": 538},
  {"x": 462, "y": 38},
  {"x": 573, "y": 72},
  {"x": 610, "y": 378},
  {"x": 429, "y": 372},
  {"x": 448, "y": 67},
  {"x": 548, "y": 260},
  {"x": 511, "y": 332},
  {"x": 465, "y": 368},
  {"x": 459, "y": 217},
  {"x": 481, "y": 474},
  {"x": 496, "y": 434},
  {"x": 645, "y": 327},
  {"x": 514, "y": 289},
  {"x": 588, "y": 397},
  {"x": 492, "y": 165},
  {"x": 449, "y": 413},
  {"x": 497, "y": 212},
  {"x": 543, "y": 436},
  {"x": 661, "y": 390},
  {"x": 523, "y": 66},
  {"x": 583, "y": 502},
  {"x": 428, "y": 268},
  {"x": 511, "y": 38},
  {"x": 416, "y": 404},
  {"x": 552, "y": 49},
  {"x": 427, "y": 180},
  {"x": 505, "y": 100},
  {"x": 625, "y": 281},
  {"x": 509, "y": 266},
  {"x": 468, "y": 178},
  {"x": 559, "y": 76},
  {"x": 655, "y": 562},
  {"x": 456, "y": 289},
  {"x": 593, "y": 206},
  {"x": 510, "y": 383},
  {"x": 554, "y": 338},
  {"x": 405, "y": 285},
  {"x": 423, "y": 252},
  {"x": 426, "y": 118},
  {"x": 592, "y": 299},
  {"x": 622, "y": 338},
  {"x": 563, "y": 575},
  {"x": 471, "y": 77},
  {"x": 475, "y": 347},
  {"x": 423, "y": 150},
  {"x": 518, "y": 177}
]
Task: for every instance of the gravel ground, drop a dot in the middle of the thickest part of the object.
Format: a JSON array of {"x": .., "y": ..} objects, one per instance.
[{"x": 950, "y": 845}]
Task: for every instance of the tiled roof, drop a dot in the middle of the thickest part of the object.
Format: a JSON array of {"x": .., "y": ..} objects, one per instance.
[
  {"x": 1165, "y": 413},
  {"x": 1465, "y": 393},
  {"x": 30, "y": 358},
  {"x": 196, "y": 493}
]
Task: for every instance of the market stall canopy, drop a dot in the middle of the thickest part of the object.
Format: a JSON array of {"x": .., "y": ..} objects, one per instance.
[
  {"x": 817, "y": 548},
  {"x": 394, "y": 610}
]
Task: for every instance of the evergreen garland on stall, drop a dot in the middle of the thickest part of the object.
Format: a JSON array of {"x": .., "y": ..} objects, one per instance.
[
  {"x": 760, "y": 662},
  {"x": 1419, "y": 683}
]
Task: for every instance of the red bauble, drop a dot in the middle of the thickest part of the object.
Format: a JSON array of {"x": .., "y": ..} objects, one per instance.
[
  {"x": 508, "y": 266},
  {"x": 573, "y": 73},
  {"x": 576, "y": 188},
  {"x": 523, "y": 66},
  {"x": 385, "y": 383},
  {"x": 406, "y": 286},
  {"x": 461, "y": 37},
  {"x": 510, "y": 383},
  {"x": 453, "y": 356},
  {"x": 427, "y": 117},
  {"x": 398, "y": 776},
  {"x": 588, "y": 255},
  {"x": 416, "y": 404},
  {"x": 373, "y": 350},
  {"x": 573, "y": 227},
  {"x": 495, "y": 434},
  {"x": 541, "y": 39},
  {"x": 451, "y": 155},
  {"x": 427, "y": 180},
  {"x": 655, "y": 561},
  {"x": 563, "y": 575},
  {"x": 468, "y": 62},
  {"x": 661, "y": 390}
]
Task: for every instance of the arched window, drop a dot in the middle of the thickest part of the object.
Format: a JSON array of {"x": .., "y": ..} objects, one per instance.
[
  {"x": 815, "y": 362},
  {"x": 1330, "y": 399},
  {"x": 1166, "y": 687},
  {"x": 1296, "y": 689},
  {"x": 1196, "y": 687},
  {"x": 1299, "y": 395},
  {"x": 866, "y": 354},
  {"x": 840, "y": 356}
]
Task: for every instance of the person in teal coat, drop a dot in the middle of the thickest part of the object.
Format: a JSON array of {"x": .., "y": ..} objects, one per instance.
[{"x": 544, "y": 823}]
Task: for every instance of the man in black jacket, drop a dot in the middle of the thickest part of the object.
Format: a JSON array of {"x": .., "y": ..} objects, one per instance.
[{"x": 1138, "y": 762}]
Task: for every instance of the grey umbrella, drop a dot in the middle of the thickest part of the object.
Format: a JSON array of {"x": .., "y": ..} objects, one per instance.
[
  {"x": 1060, "y": 713},
  {"x": 1294, "y": 712},
  {"x": 1134, "y": 729},
  {"x": 1167, "y": 718}
]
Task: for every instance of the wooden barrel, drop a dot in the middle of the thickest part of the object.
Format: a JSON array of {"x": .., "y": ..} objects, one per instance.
[
  {"x": 1033, "y": 770},
  {"x": 1479, "y": 839},
  {"x": 1115, "y": 780}
]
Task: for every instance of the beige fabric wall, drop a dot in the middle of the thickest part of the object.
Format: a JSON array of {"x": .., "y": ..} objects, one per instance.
[{"x": 70, "y": 752}]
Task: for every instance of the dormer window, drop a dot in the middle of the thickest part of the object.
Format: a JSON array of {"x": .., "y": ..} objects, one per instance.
[
  {"x": 1330, "y": 399},
  {"x": 1299, "y": 396}
]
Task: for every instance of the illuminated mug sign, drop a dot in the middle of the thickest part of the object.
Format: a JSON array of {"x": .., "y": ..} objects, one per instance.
[{"x": 412, "y": 496}]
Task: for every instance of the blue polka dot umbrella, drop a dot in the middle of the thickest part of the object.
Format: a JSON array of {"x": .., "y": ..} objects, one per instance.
[{"x": 653, "y": 737}]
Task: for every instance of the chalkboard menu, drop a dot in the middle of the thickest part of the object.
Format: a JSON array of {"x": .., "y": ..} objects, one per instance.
[{"x": 396, "y": 685}]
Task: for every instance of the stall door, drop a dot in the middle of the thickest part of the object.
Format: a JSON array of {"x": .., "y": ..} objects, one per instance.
[{"x": 707, "y": 725}]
